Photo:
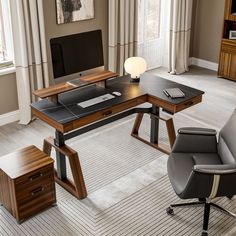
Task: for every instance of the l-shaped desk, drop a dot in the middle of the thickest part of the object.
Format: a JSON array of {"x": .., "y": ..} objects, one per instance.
[{"x": 70, "y": 120}]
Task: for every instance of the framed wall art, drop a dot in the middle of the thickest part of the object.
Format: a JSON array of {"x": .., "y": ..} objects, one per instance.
[{"x": 74, "y": 10}]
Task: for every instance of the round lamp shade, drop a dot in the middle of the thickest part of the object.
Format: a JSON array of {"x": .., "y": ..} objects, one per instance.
[{"x": 135, "y": 66}]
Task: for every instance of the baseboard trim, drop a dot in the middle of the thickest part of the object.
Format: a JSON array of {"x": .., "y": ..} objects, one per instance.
[
  {"x": 9, "y": 117},
  {"x": 203, "y": 63}
]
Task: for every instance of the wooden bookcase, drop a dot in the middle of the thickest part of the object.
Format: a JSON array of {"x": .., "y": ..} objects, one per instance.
[{"x": 227, "y": 61}]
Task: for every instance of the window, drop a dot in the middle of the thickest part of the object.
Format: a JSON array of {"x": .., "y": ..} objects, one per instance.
[
  {"x": 6, "y": 49},
  {"x": 152, "y": 31},
  {"x": 149, "y": 20}
]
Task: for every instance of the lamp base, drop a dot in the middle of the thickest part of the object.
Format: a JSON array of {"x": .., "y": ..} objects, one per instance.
[{"x": 135, "y": 80}]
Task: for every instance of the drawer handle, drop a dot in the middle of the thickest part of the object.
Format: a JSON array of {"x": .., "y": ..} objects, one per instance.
[
  {"x": 189, "y": 103},
  {"x": 35, "y": 176},
  {"x": 107, "y": 113},
  {"x": 37, "y": 191}
]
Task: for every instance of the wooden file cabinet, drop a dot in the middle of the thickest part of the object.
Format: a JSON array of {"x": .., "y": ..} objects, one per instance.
[
  {"x": 227, "y": 61},
  {"x": 26, "y": 182}
]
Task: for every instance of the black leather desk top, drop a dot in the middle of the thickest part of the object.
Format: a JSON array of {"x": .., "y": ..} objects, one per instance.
[{"x": 67, "y": 110}]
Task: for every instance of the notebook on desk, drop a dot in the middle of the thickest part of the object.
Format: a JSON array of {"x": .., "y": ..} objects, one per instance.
[{"x": 174, "y": 93}]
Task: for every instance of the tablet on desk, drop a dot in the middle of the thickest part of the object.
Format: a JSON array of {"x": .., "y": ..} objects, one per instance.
[{"x": 174, "y": 93}]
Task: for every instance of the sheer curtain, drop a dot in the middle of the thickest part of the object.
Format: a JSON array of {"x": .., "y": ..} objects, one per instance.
[
  {"x": 153, "y": 23},
  {"x": 122, "y": 33},
  {"x": 180, "y": 31},
  {"x": 30, "y": 52},
  {"x": 164, "y": 29}
]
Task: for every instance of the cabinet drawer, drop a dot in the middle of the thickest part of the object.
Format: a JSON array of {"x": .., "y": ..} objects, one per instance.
[
  {"x": 34, "y": 177},
  {"x": 37, "y": 202},
  {"x": 104, "y": 113},
  {"x": 229, "y": 47},
  {"x": 227, "y": 65},
  {"x": 190, "y": 103},
  {"x": 34, "y": 190}
]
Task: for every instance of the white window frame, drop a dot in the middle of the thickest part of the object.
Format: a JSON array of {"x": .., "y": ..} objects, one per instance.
[{"x": 7, "y": 60}]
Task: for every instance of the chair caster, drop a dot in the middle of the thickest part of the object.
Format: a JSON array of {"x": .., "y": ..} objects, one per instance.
[
  {"x": 170, "y": 211},
  {"x": 204, "y": 233}
]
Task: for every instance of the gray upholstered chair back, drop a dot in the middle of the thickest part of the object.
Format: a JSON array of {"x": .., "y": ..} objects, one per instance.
[{"x": 227, "y": 141}]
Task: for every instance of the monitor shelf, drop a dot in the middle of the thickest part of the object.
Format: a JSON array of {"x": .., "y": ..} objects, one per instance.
[{"x": 53, "y": 91}]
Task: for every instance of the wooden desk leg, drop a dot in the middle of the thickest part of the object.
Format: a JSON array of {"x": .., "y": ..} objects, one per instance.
[
  {"x": 170, "y": 131},
  {"x": 137, "y": 123},
  {"x": 78, "y": 188}
]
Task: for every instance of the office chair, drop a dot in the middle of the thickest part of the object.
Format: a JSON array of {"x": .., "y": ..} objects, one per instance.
[{"x": 199, "y": 167}]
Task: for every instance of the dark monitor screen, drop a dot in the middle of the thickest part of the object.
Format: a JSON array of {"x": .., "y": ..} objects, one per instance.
[{"x": 76, "y": 53}]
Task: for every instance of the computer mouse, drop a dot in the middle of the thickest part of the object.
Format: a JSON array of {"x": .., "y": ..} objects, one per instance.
[{"x": 116, "y": 93}]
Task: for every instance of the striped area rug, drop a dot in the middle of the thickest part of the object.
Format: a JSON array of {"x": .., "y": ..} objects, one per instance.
[
  {"x": 128, "y": 192},
  {"x": 142, "y": 213}
]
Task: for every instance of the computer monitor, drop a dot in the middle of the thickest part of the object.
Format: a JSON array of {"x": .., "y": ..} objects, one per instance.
[{"x": 76, "y": 55}]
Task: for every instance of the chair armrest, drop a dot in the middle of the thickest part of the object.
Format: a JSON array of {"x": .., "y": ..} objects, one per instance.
[
  {"x": 215, "y": 169},
  {"x": 197, "y": 131},
  {"x": 201, "y": 181}
]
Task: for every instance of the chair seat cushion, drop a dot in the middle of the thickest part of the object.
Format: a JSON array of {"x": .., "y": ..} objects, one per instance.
[{"x": 180, "y": 166}]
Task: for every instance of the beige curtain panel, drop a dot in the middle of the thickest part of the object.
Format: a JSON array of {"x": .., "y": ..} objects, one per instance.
[
  {"x": 180, "y": 30},
  {"x": 30, "y": 52},
  {"x": 122, "y": 33}
]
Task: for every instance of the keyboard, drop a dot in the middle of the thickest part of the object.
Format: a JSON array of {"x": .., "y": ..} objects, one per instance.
[{"x": 96, "y": 100}]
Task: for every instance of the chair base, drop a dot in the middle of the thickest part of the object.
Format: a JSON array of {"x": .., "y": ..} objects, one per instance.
[{"x": 207, "y": 207}]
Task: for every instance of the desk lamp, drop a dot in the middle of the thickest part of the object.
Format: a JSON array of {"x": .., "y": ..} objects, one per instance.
[{"x": 135, "y": 66}]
